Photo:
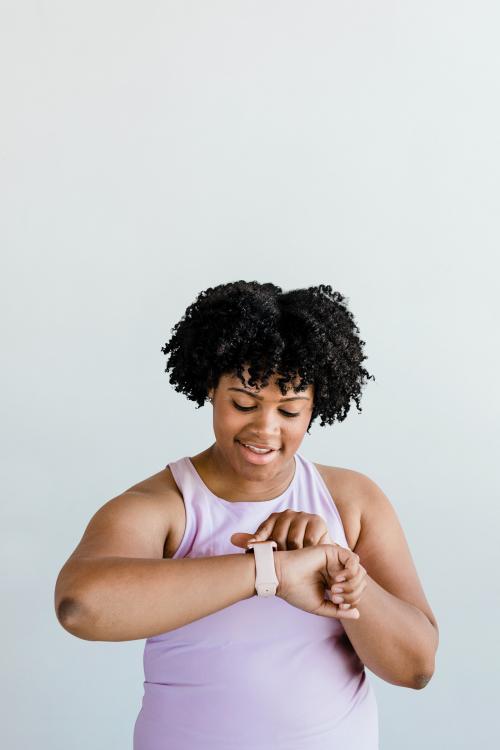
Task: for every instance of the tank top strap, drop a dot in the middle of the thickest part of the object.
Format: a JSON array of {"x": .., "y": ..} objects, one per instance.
[
  {"x": 210, "y": 519},
  {"x": 197, "y": 527}
]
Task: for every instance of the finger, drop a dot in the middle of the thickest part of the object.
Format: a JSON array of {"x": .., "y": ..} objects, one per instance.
[
  {"x": 346, "y": 614},
  {"x": 347, "y": 574},
  {"x": 292, "y": 529},
  {"x": 352, "y": 564},
  {"x": 351, "y": 568},
  {"x": 325, "y": 539},
  {"x": 352, "y": 597},
  {"x": 278, "y": 527},
  {"x": 340, "y": 603},
  {"x": 336, "y": 557},
  {"x": 301, "y": 532},
  {"x": 349, "y": 584},
  {"x": 278, "y": 531},
  {"x": 306, "y": 530},
  {"x": 346, "y": 555},
  {"x": 240, "y": 539},
  {"x": 315, "y": 532},
  {"x": 268, "y": 523},
  {"x": 339, "y": 600},
  {"x": 351, "y": 587},
  {"x": 264, "y": 531}
]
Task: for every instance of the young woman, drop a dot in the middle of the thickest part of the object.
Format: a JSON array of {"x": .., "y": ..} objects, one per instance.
[{"x": 165, "y": 560}]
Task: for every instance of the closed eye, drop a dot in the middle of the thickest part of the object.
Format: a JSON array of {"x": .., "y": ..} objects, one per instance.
[{"x": 251, "y": 408}]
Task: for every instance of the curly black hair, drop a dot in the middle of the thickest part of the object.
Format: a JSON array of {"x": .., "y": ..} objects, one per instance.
[{"x": 307, "y": 334}]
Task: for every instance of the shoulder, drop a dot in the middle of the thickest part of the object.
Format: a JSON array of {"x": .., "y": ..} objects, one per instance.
[
  {"x": 355, "y": 495},
  {"x": 377, "y": 535},
  {"x": 163, "y": 492},
  {"x": 352, "y": 487},
  {"x": 157, "y": 485}
]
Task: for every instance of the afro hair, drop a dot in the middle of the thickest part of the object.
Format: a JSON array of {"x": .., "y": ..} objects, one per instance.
[{"x": 307, "y": 334}]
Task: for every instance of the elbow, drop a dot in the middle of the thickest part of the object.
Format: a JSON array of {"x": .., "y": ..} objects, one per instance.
[
  {"x": 421, "y": 680},
  {"x": 71, "y": 615},
  {"x": 422, "y": 677},
  {"x": 415, "y": 680},
  {"x": 68, "y": 611}
]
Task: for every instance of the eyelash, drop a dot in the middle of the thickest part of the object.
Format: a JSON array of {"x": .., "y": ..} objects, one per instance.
[{"x": 249, "y": 408}]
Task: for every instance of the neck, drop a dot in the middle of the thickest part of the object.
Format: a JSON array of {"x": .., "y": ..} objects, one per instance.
[{"x": 224, "y": 480}]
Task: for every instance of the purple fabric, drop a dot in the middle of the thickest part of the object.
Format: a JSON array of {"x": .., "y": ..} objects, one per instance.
[{"x": 260, "y": 674}]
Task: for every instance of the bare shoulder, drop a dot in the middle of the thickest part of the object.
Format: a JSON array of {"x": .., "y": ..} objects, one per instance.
[
  {"x": 162, "y": 490},
  {"x": 157, "y": 485},
  {"x": 374, "y": 532},
  {"x": 351, "y": 491},
  {"x": 141, "y": 522}
]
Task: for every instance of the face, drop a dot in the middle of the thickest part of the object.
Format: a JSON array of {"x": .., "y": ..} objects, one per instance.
[{"x": 263, "y": 418}]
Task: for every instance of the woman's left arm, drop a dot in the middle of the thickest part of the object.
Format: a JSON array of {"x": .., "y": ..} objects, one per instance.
[{"x": 396, "y": 635}]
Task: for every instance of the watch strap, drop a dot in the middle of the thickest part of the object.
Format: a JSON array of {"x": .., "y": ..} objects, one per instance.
[{"x": 266, "y": 580}]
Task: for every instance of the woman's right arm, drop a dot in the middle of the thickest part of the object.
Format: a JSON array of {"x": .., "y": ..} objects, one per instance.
[
  {"x": 116, "y": 586},
  {"x": 124, "y": 599}
]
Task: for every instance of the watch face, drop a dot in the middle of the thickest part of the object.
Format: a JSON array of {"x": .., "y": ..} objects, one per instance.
[{"x": 251, "y": 545}]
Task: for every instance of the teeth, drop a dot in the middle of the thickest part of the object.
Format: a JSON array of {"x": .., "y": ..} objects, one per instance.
[{"x": 257, "y": 450}]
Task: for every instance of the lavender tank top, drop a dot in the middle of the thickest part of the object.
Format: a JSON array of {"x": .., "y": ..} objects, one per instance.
[{"x": 259, "y": 674}]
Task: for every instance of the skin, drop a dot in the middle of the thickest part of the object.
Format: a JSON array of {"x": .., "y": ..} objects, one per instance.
[
  {"x": 228, "y": 474},
  {"x": 222, "y": 464},
  {"x": 395, "y": 633}
]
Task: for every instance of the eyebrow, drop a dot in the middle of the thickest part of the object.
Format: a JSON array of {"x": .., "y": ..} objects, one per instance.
[{"x": 249, "y": 393}]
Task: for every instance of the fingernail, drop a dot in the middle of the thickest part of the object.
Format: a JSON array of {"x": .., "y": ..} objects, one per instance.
[{"x": 339, "y": 579}]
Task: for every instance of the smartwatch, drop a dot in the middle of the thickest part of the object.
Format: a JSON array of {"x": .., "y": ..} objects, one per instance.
[{"x": 266, "y": 581}]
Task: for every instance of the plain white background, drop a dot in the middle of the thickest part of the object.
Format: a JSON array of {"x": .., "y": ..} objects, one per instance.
[{"x": 150, "y": 150}]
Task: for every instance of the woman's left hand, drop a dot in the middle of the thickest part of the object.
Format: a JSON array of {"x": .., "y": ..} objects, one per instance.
[{"x": 290, "y": 529}]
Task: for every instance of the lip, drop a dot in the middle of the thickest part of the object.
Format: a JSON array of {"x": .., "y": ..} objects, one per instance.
[
  {"x": 257, "y": 458},
  {"x": 258, "y": 445}
]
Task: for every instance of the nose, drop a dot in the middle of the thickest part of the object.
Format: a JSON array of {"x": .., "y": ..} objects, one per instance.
[{"x": 265, "y": 425}]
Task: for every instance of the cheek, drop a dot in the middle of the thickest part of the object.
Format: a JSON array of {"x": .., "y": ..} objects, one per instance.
[
  {"x": 295, "y": 432},
  {"x": 228, "y": 421}
]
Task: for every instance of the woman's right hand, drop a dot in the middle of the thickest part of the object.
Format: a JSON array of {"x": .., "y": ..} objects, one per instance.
[{"x": 305, "y": 573}]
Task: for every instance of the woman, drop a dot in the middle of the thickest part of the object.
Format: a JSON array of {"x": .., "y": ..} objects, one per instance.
[{"x": 225, "y": 668}]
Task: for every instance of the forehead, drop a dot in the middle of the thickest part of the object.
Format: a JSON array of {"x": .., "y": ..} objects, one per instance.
[{"x": 231, "y": 380}]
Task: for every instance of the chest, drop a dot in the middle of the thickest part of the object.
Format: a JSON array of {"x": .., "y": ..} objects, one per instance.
[{"x": 335, "y": 481}]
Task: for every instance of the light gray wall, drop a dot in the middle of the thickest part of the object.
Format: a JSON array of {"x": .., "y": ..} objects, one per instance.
[{"x": 150, "y": 150}]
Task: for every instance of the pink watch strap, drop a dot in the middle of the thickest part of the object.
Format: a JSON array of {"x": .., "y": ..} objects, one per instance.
[{"x": 266, "y": 581}]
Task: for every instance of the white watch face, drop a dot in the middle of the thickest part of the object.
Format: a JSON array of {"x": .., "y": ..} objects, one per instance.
[{"x": 273, "y": 544}]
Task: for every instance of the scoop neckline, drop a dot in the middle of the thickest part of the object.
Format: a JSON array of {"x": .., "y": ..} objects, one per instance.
[{"x": 242, "y": 502}]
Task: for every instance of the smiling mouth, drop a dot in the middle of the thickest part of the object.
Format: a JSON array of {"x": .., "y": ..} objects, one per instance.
[{"x": 258, "y": 449}]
